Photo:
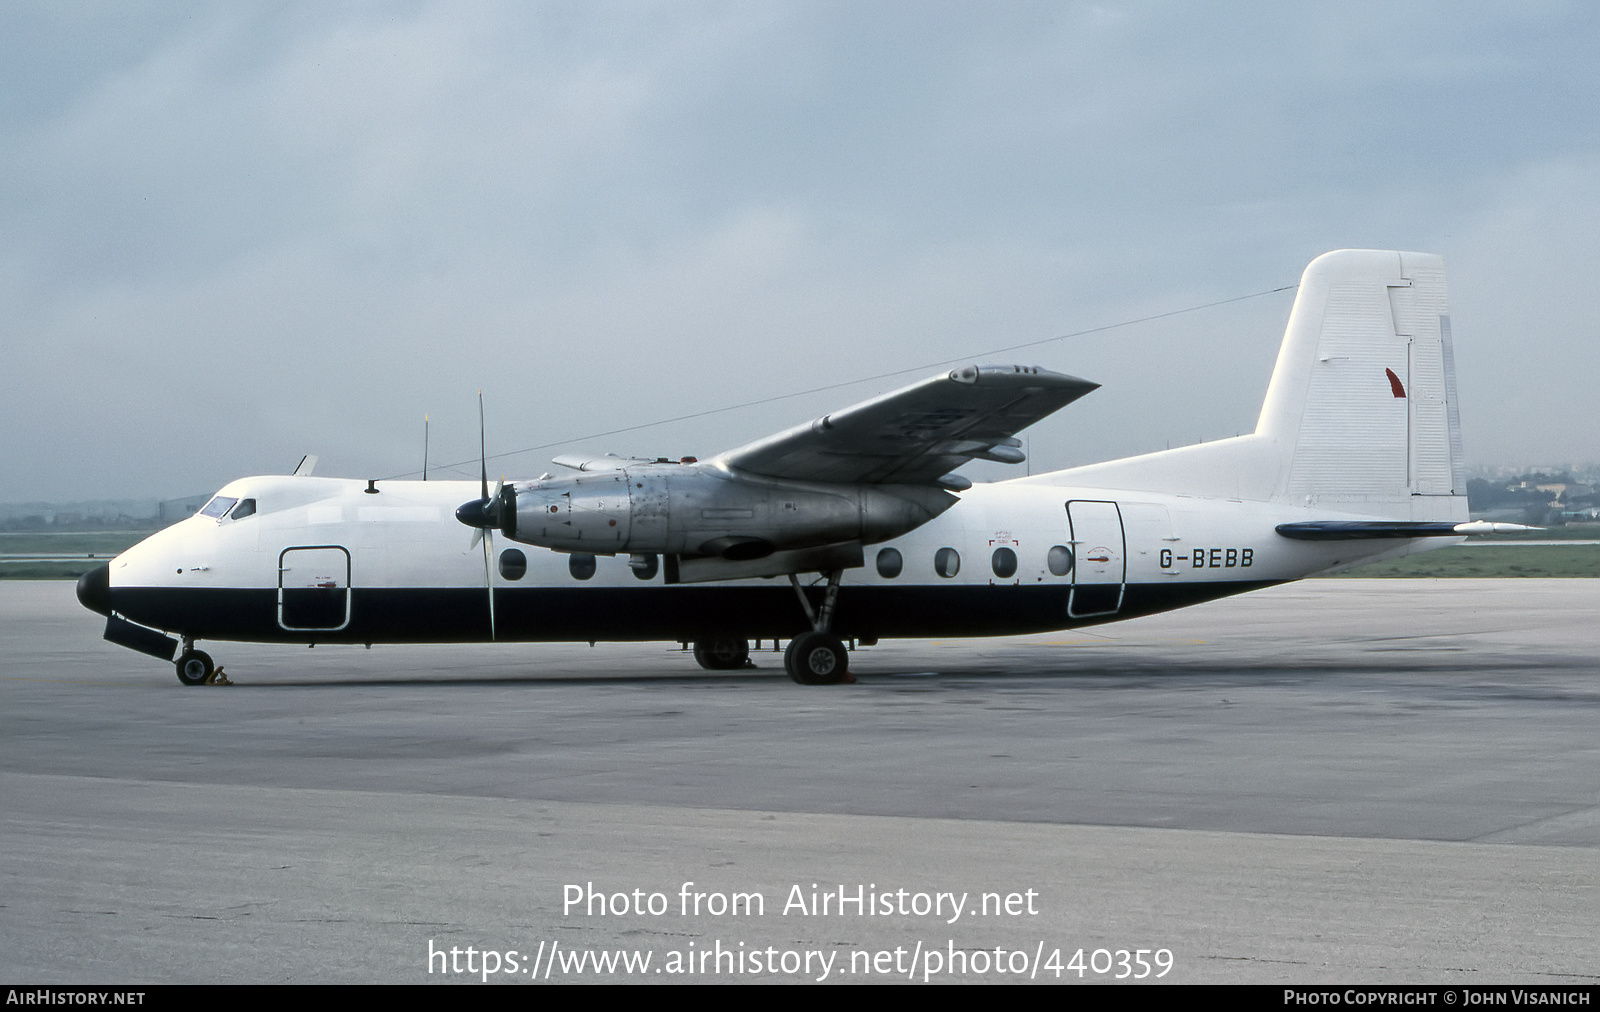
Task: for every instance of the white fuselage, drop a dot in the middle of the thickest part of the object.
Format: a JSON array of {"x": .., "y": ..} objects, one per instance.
[{"x": 401, "y": 568}]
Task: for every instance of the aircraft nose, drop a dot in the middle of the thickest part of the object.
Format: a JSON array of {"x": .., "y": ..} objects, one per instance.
[{"x": 94, "y": 589}]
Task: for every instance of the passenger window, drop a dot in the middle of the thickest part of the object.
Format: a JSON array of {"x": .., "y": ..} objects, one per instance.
[
  {"x": 245, "y": 508},
  {"x": 1005, "y": 563},
  {"x": 644, "y": 566},
  {"x": 580, "y": 565},
  {"x": 513, "y": 564},
  {"x": 947, "y": 562},
  {"x": 890, "y": 563},
  {"x": 1059, "y": 560}
]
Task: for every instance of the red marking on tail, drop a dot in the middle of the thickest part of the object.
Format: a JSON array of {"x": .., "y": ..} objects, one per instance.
[{"x": 1394, "y": 384}]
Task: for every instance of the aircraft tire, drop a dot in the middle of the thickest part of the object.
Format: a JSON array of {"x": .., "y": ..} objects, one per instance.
[
  {"x": 722, "y": 654},
  {"x": 194, "y": 667},
  {"x": 815, "y": 658}
]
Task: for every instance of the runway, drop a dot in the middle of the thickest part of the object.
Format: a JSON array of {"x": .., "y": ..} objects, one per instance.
[{"x": 1330, "y": 782}]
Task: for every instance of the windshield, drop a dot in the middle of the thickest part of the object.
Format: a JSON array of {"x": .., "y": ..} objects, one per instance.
[{"x": 217, "y": 507}]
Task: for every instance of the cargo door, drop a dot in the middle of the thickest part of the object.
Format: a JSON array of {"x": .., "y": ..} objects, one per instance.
[{"x": 314, "y": 588}]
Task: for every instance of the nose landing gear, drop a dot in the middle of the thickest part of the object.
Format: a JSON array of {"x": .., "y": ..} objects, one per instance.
[{"x": 195, "y": 667}]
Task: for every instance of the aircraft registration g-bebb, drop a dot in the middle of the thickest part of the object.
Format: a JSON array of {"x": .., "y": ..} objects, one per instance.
[{"x": 853, "y": 526}]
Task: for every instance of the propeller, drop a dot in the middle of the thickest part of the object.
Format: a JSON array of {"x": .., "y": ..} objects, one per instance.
[{"x": 484, "y": 515}]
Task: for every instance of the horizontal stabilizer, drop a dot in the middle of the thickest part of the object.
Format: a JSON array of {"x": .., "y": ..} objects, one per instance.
[{"x": 1368, "y": 530}]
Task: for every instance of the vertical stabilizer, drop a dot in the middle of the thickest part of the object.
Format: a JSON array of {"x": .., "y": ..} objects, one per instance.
[
  {"x": 1360, "y": 415},
  {"x": 1363, "y": 395}
]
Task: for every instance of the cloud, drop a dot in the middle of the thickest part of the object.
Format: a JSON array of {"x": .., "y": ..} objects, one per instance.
[{"x": 247, "y": 232}]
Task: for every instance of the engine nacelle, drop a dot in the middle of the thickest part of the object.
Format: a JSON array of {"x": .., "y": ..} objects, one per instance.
[{"x": 705, "y": 510}]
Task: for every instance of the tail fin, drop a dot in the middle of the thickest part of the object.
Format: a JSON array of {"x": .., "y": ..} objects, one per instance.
[
  {"x": 1360, "y": 415},
  {"x": 1364, "y": 391}
]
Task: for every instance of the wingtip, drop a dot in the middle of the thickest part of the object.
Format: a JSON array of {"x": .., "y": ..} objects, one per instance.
[{"x": 1020, "y": 375}]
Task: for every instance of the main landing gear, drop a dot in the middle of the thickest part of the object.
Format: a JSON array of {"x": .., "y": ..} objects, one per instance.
[
  {"x": 195, "y": 667},
  {"x": 722, "y": 654},
  {"x": 818, "y": 657},
  {"x": 813, "y": 658}
]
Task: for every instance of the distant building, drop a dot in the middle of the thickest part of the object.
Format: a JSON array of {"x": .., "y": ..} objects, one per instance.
[{"x": 170, "y": 511}]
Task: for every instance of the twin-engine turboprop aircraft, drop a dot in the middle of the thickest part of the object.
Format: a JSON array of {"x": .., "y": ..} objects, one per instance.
[{"x": 854, "y": 526}]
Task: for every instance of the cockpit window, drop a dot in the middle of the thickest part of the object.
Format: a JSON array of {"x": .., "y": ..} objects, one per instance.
[
  {"x": 244, "y": 509},
  {"x": 217, "y": 507}
]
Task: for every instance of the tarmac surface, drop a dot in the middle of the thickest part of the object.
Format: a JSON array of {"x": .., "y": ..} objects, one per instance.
[{"x": 1339, "y": 781}]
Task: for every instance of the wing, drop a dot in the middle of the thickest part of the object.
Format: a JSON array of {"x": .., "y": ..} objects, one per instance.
[{"x": 919, "y": 434}]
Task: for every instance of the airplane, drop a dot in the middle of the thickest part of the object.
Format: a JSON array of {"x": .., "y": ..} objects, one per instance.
[{"x": 855, "y": 525}]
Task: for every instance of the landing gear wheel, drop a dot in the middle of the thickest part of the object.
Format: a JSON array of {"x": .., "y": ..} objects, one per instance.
[
  {"x": 815, "y": 658},
  {"x": 722, "y": 654},
  {"x": 194, "y": 667}
]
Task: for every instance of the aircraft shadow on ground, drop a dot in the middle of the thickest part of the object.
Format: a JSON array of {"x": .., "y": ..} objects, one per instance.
[{"x": 903, "y": 676}]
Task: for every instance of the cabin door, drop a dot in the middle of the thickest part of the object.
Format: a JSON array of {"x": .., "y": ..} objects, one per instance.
[{"x": 1100, "y": 563}]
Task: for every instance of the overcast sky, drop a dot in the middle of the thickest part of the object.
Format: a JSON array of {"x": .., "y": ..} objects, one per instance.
[{"x": 232, "y": 234}]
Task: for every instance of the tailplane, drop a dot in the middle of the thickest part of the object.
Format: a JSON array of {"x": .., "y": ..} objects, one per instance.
[{"x": 1360, "y": 415}]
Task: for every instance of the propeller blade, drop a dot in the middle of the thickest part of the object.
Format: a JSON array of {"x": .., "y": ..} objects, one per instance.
[
  {"x": 488, "y": 575},
  {"x": 497, "y": 506},
  {"x": 484, "y": 515},
  {"x": 483, "y": 447}
]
